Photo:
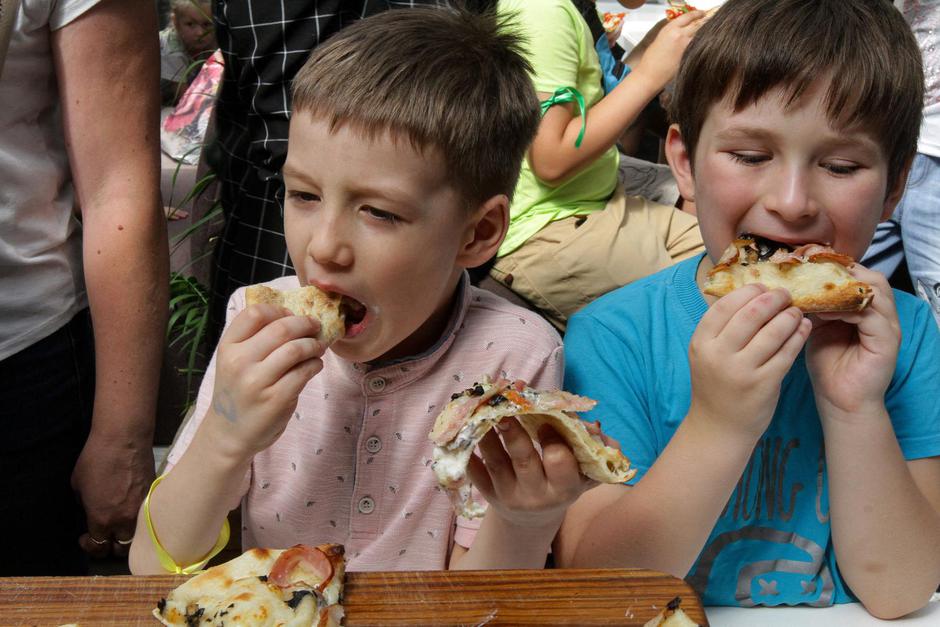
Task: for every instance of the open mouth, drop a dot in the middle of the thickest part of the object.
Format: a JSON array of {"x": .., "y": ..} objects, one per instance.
[
  {"x": 765, "y": 247},
  {"x": 354, "y": 314}
]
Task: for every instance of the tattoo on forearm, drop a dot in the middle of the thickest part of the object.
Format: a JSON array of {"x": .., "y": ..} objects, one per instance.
[{"x": 224, "y": 405}]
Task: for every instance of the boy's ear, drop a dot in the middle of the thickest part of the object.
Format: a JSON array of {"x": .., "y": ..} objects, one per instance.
[
  {"x": 484, "y": 232},
  {"x": 896, "y": 191},
  {"x": 680, "y": 161}
]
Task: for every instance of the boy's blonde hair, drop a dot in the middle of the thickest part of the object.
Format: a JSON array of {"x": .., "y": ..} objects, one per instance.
[
  {"x": 444, "y": 78},
  {"x": 864, "y": 48},
  {"x": 179, "y": 4}
]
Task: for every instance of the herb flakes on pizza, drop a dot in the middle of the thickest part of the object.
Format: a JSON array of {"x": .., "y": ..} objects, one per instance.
[
  {"x": 471, "y": 413},
  {"x": 297, "y": 587}
]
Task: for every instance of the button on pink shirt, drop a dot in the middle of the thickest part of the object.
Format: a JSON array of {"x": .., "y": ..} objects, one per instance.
[{"x": 353, "y": 465}]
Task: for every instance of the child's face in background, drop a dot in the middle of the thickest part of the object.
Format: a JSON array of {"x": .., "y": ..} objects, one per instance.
[
  {"x": 376, "y": 221},
  {"x": 788, "y": 175},
  {"x": 193, "y": 23}
]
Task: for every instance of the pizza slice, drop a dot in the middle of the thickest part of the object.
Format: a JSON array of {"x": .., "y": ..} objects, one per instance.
[
  {"x": 299, "y": 586},
  {"x": 334, "y": 312},
  {"x": 672, "y": 616},
  {"x": 612, "y": 21},
  {"x": 679, "y": 7},
  {"x": 814, "y": 274},
  {"x": 471, "y": 413}
]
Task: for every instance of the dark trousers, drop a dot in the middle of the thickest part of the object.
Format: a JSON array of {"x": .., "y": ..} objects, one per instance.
[{"x": 46, "y": 396}]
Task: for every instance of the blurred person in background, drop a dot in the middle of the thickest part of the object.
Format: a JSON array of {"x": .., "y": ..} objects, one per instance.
[
  {"x": 185, "y": 44},
  {"x": 912, "y": 233}
]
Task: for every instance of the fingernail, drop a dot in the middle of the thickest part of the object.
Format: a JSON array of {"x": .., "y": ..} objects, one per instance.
[{"x": 503, "y": 425}]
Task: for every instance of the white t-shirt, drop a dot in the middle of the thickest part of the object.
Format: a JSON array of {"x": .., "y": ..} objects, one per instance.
[
  {"x": 173, "y": 58},
  {"x": 924, "y": 18},
  {"x": 41, "y": 279}
]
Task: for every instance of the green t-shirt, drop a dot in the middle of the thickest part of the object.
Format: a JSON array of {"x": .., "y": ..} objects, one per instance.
[{"x": 561, "y": 51}]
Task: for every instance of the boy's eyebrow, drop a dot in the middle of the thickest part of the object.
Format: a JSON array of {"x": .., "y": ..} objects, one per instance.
[
  {"x": 287, "y": 170},
  {"x": 362, "y": 189},
  {"x": 838, "y": 139},
  {"x": 736, "y": 132}
]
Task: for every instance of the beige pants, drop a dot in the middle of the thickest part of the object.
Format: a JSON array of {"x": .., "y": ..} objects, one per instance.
[{"x": 571, "y": 262}]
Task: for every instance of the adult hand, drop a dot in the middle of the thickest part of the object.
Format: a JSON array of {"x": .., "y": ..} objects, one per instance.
[
  {"x": 740, "y": 352},
  {"x": 111, "y": 479}
]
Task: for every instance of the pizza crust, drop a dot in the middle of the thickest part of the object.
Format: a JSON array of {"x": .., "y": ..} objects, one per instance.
[{"x": 305, "y": 301}]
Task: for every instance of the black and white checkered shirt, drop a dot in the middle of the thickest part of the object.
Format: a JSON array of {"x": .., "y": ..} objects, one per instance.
[{"x": 265, "y": 43}]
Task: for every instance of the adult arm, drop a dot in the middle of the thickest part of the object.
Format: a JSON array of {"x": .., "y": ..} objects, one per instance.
[{"x": 107, "y": 66}]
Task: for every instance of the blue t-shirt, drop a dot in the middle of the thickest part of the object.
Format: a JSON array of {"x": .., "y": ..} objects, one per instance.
[{"x": 772, "y": 544}]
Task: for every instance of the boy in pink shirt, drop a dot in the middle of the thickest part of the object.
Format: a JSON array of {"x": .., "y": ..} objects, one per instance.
[{"x": 405, "y": 142}]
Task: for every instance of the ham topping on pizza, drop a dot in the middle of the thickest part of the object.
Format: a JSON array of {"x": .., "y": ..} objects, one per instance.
[
  {"x": 459, "y": 409},
  {"x": 297, "y": 587},
  {"x": 758, "y": 249},
  {"x": 302, "y": 565}
]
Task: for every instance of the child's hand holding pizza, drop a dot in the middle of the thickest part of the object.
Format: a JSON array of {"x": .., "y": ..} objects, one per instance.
[
  {"x": 851, "y": 356},
  {"x": 660, "y": 61},
  {"x": 740, "y": 352},
  {"x": 527, "y": 489},
  {"x": 264, "y": 360}
]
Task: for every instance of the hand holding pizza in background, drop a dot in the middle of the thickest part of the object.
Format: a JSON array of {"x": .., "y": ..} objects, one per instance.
[
  {"x": 681, "y": 7},
  {"x": 658, "y": 55}
]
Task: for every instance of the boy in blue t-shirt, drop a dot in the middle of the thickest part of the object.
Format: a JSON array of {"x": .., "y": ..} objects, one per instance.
[{"x": 781, "y": 459}]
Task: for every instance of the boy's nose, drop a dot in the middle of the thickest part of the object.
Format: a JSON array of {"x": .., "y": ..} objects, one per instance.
[
  {"x": 790, "y": 196},
  {"x": 329, "y": 245}
]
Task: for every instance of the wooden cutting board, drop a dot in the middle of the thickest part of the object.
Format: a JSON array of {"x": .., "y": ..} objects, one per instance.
[{"x": 507, "y": 597}]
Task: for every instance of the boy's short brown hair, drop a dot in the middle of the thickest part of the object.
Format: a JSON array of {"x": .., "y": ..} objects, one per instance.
[
  {"x": 445, "y": 78},
  {"x": 863, "y": 47}
]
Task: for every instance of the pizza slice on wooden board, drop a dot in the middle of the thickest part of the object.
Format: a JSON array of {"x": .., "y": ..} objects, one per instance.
[
  {"x": 815, "y": 275},
  {"x": 297, "y": 587},
  {"x": 672, "y": 616},
  {"x": 471, "y": 413}
]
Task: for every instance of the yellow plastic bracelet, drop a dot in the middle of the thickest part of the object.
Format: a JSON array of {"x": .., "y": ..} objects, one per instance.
[{"x": 168, "y": 563}]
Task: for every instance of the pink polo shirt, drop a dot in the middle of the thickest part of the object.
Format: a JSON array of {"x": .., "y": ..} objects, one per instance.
[{"x": 353, "y": 465}]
